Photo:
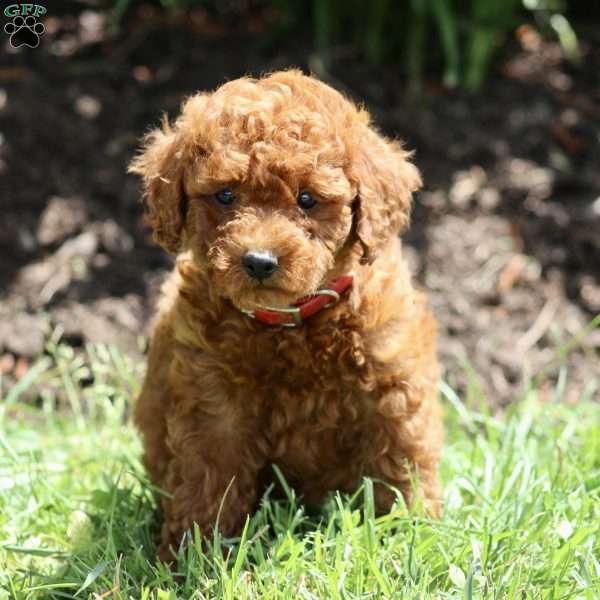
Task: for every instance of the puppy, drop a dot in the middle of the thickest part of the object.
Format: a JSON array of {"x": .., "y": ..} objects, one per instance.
[{"x": 289, "y": 333}]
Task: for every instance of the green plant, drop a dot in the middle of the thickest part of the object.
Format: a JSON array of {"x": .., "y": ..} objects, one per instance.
[
  {"x": 488, "y": 19},
  {"x": 78, "y": 515},
  {"x": 416, "y": 35}
]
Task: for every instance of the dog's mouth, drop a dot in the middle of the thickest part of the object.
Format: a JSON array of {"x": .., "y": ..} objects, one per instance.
[
  {"x": 300, "y": 271},
  {"x": 247, "y": 293},
  {"x": 303, "y": 308},
  {"x": 267, "y": 296}
]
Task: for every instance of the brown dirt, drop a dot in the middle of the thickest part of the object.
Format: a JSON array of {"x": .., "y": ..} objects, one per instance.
[{"x": 505, "y": 236}]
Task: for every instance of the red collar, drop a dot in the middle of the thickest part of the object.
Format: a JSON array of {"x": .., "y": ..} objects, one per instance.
[{"x": 303, "y": 308}]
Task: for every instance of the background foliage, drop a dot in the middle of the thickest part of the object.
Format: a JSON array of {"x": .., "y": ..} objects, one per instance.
[{"x": 462, "y": 36}]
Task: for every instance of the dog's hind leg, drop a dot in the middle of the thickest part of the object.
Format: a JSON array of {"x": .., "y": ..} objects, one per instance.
[{"x": 405, "y": 453}]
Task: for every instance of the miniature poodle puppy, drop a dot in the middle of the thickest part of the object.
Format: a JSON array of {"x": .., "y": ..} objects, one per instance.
[{"x": 289, "y": 333}]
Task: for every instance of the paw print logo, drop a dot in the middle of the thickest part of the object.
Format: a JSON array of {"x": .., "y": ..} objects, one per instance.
[{"x": 24, "y": 31}]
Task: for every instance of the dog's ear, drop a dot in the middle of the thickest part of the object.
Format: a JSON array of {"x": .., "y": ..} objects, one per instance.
[
  {"x": 385, "y": 180},
  {"x": 160, "y": 164}
]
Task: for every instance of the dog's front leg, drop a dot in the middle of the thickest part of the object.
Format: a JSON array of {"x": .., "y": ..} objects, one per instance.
[{"x": 211, "y": 478}]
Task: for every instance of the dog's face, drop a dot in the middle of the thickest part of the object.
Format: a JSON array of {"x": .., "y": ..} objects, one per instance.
[
  {"x": 270, "y": 230},
  {"x": 270, "y": 182}
]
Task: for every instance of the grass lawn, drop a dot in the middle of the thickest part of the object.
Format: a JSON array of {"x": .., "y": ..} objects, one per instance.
[{"x": 77, "y": 517}]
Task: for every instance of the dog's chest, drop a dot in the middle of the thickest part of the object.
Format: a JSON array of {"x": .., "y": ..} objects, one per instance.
[
  {"x": 304, "y": 363},
  {"x": 310, "y": 390}
]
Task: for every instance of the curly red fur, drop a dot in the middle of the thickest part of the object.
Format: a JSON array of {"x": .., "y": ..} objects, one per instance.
[{"x": 352, "y": 392}]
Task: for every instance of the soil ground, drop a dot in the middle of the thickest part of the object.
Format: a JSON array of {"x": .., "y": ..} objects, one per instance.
[{"x": 505, "y": 234}]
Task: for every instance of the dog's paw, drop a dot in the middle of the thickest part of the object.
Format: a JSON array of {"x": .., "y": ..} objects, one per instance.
[
  {"x": 166, "y": 554},
  {"x": 24, "y": 31}
]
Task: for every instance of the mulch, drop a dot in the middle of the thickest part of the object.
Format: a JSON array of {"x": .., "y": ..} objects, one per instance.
[{"x": 505, "y": 235}]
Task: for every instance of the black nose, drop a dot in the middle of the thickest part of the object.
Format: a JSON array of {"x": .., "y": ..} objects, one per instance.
[{"x": 260, "y": 264}]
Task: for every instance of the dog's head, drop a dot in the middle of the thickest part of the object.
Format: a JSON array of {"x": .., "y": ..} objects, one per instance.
[{"x": 270, "y": 182}]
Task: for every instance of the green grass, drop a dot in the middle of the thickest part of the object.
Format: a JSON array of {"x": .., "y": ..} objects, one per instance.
[{"x": 77, "y": 517}]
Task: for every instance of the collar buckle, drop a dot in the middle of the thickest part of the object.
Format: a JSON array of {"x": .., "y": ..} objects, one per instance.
[{"x": 331, "y": 293}]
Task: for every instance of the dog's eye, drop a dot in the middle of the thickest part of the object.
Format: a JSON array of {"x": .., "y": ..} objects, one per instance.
[
  {"x": 225, "y": 197},
  {"x": 305, "y": 200}
]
